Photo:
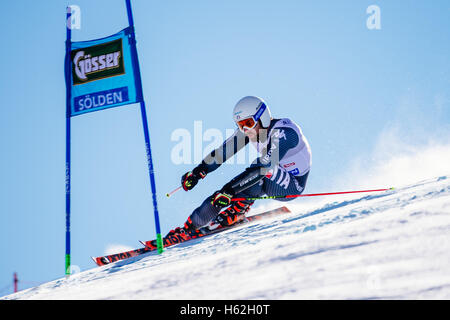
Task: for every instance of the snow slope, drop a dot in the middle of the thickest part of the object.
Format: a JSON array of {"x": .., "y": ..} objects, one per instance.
[{"x": 388, "y": 245}]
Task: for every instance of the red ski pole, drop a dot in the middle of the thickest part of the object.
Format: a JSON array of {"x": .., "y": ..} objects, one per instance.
[
  {"x": 172, "y": 192},
  {"x": 308, "y": 195}
]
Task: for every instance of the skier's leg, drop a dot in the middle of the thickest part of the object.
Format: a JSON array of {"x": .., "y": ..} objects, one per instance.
[
  {"x": 203, "y": 214},
  {"x": 282, "y": 183},
  {"x": 237, "y": 210},
  {"x": 279, "y": 183},
  {"x": 198, "y": 218},
  {"x": 207, "y": 212}
]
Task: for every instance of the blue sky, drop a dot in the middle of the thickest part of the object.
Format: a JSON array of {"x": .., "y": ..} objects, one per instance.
[{"x": 315, "y": 62}]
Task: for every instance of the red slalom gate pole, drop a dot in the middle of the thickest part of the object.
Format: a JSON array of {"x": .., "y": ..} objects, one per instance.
[
  {"x": 16, "y": 281},
  {"x": 309, "y": 195}
]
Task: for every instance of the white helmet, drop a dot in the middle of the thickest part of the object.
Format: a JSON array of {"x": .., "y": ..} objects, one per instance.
[{"x": 252, "y": 107}]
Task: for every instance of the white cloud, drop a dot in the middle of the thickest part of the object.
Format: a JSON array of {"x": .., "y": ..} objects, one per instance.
[
  {"x": 395, "y": 164},
  {"x": 413, "y": 145}
]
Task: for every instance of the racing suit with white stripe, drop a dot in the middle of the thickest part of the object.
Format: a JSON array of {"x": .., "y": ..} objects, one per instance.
[{"x": 281, "y": 169}]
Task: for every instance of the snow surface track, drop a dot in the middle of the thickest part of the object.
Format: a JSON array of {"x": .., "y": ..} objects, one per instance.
[{"x": 391, "y": 245}]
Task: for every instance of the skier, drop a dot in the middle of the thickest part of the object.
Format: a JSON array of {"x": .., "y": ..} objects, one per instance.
[{"x": 282, "y": 169}]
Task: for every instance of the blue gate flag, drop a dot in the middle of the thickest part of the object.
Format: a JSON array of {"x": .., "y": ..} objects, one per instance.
[{"x": 102, "y": 73}]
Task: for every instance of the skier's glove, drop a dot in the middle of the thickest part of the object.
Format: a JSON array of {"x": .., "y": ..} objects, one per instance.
[
  {"x": 221, "y": 199},
  {"x": 190, "y": 179}
]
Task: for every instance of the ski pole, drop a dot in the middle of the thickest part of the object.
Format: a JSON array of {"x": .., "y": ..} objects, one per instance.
[
  {"x": 307, "y": 195},
  {"x": 172, "y": 192}
]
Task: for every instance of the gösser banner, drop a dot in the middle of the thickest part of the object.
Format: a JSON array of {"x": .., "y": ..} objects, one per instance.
[{"x": 102, "y": 74}]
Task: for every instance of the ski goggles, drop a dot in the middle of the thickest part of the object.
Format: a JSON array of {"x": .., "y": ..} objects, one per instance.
[{"x": 250, "y": 123}]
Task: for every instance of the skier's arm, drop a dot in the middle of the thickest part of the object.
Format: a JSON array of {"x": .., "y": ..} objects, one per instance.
[
  {"x": 214, "y": 160},
  {"x": 228, "y": 149}
]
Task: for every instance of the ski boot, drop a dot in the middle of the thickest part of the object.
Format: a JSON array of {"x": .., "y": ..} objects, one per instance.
[
  {"x": 178, "y": 235},
  {"x": 231, "y": 215}
]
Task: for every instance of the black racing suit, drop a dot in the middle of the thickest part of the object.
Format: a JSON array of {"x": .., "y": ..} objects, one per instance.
[{"x": 266, "y": 175}]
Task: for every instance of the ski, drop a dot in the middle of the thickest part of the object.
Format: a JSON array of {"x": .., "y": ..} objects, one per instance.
[
  {"x": 101, "y": 261},
  {"x": 205, "y": 231},
  {"x": 104, "y": 260}
]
